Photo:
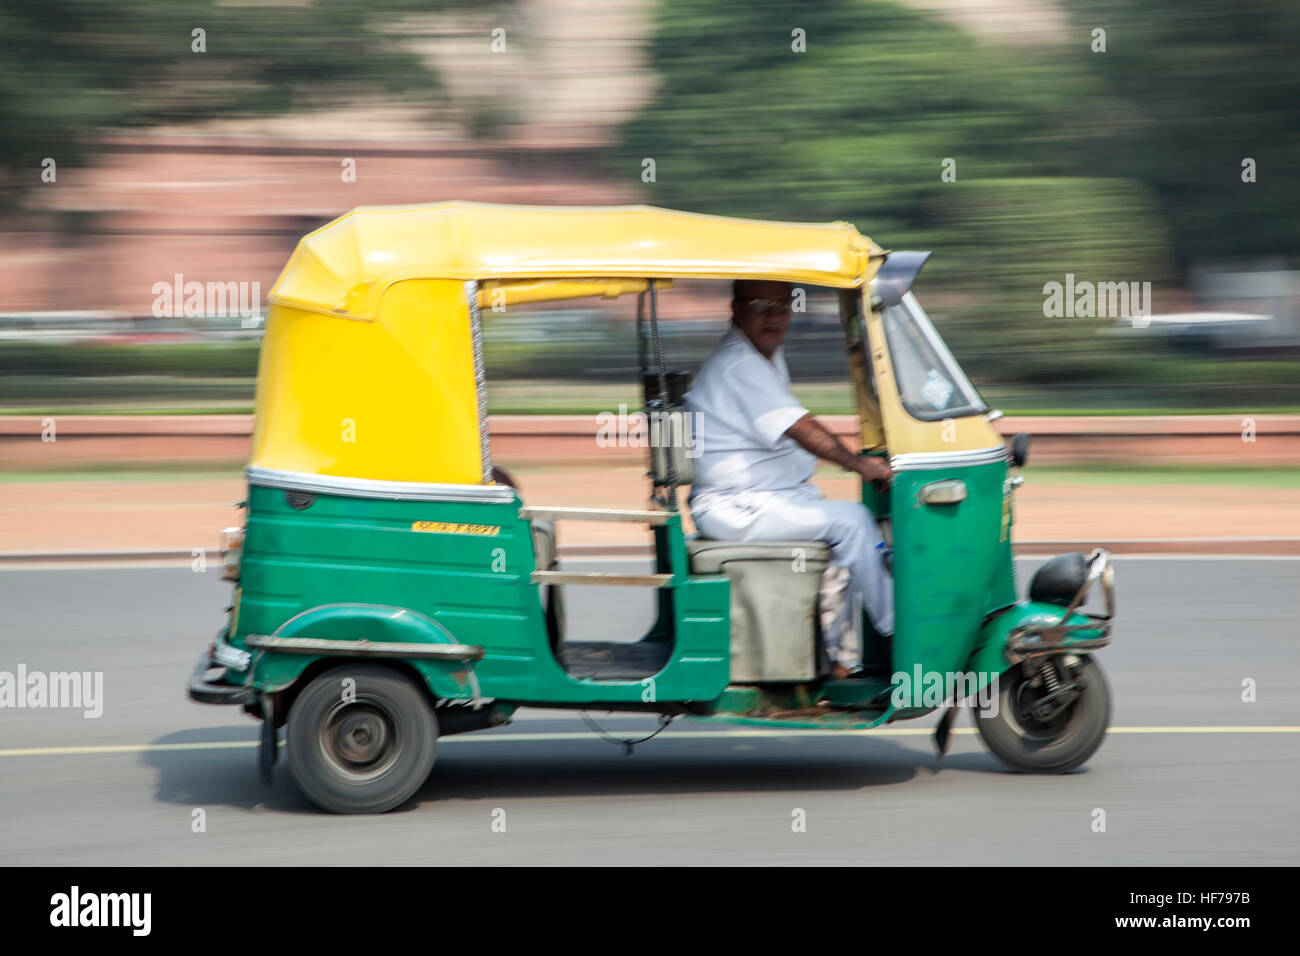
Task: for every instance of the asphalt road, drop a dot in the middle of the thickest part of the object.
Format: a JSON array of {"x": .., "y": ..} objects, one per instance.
[{"x": 1178, "y": 785}]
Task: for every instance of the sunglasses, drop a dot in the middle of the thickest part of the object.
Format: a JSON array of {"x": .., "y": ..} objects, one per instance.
[{"x": 768, "y": 306}]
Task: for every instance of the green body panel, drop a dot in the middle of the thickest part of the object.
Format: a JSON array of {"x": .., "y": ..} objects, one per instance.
[
  {"x": 347, "y": 568},
  {"x": 950, "y": 566},
  {"x": 472, "y": 588},
  {"x": 373, "y": 622},
  {"x": 1002, "y": 592}
]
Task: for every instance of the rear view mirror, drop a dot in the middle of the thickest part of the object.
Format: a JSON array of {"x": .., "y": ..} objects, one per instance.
[
  {"x": 895, "y": 277},
  {"x": 1020, "y": 449}
]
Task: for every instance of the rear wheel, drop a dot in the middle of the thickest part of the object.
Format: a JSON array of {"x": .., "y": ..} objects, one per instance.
[
  {"x": 361, "y": 739},
  {"x": 1030, "y": 736}
]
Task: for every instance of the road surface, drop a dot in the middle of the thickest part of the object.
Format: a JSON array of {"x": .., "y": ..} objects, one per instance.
[{"x": 1178, "y": 780}]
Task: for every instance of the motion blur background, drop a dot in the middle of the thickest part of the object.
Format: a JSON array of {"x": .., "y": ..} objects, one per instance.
[
  {"x": 151, "y": 143},
  {"x": 137, "y": 154}
]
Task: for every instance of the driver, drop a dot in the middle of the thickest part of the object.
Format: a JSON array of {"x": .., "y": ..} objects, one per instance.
[{"x": 757, "y": 449}]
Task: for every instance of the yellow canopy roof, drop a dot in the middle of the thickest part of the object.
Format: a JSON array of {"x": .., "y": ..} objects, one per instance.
[{"x": 344, "y": 267}]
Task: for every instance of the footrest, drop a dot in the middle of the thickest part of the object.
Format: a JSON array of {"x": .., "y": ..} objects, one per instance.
[
  {"x": 858, "y": 693},
  {"x": 614, "y": 660},
  {"x": 204, "y": 691}
]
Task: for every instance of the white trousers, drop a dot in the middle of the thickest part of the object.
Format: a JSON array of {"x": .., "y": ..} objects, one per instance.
[{"x": 803, "y": 514}]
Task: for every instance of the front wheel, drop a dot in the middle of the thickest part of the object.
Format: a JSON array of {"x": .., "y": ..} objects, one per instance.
[
  {"x": 361, "y": 739},
  {"x": 1031, "y": 740}
]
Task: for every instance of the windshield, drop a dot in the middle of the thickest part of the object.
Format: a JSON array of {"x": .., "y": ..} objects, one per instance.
[{"x": 930, "y": 383}]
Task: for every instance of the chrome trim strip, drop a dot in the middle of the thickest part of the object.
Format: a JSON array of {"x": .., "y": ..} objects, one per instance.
[
  {"x": 371, "y": 488},
  {"x": 364, "y": 648},
  {"x": 920, "y": 461},
  {"x": 480, "y": 377}
]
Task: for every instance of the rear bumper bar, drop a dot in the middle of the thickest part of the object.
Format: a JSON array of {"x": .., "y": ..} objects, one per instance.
[{"x": 204, "y": 686}]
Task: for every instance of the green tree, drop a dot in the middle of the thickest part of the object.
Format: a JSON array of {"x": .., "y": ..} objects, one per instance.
[
  {"x": 1203, "y": 85},
  {"x": 1012, "y": 236},
  {"x": 859, "y": 126},
  {"x": 72, "y": 68}
]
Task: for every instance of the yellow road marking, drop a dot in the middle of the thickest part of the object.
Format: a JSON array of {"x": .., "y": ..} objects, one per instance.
[
  {"x": 587, "y": 735},
  {"x": 122, "y": 749}
]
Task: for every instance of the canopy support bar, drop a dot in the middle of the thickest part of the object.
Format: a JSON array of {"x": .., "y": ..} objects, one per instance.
[{"x": 480, "y": 379}]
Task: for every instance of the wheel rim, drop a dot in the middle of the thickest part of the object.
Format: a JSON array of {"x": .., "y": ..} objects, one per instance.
[
  {"x": 1022, "y": 698},
  {"x": 361, "y": 739}
]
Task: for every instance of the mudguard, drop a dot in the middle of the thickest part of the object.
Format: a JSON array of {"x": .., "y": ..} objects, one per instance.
[
  {"x": 991, "y": 649},
  {"x": 273, "y": 670}
]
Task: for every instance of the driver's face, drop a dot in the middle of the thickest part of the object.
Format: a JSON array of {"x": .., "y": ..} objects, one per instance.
[{"x": 762, "y": 311}]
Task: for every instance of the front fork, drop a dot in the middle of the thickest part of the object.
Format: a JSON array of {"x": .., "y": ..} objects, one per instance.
[{"x": 1047, "y": 673}]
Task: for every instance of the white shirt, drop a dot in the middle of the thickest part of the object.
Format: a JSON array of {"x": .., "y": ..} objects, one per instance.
[{"x": 742, "y": 407}]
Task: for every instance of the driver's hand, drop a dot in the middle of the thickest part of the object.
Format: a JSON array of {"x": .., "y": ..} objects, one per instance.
[{"x": 876, "y": 471}]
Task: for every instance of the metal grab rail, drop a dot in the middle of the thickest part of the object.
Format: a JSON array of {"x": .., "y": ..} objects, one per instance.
[
  {"x": 597, "y": 514},
  {"x": 363, "y": 648},
  {"x": 1038, "y": 640},
  {"x": 602, "y": 577},
  {"x": 656, "y": 519}
]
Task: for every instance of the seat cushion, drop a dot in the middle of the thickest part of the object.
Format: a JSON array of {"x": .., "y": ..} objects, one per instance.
[{"x": 708, "y": 555}]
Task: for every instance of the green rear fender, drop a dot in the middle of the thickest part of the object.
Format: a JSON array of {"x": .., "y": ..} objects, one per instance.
[
  {"x": 450, "y": 680},
  {"x": 990, "y": 655}
]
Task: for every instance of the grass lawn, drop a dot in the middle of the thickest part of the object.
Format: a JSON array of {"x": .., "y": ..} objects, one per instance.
[
  {"x": 521, "y": 397},
  {"x": 1280, "y": 478},
  {"x": 128, "y": 472}
]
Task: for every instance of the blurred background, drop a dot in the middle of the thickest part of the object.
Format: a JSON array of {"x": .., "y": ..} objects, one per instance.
[
  {"x": 150, "y": 144},
  {"x": 152, "y": 147}
]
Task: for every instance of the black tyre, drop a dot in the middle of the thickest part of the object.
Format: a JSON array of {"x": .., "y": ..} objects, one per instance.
[
  {"x": 1055, "y": 745},
  {"x": 365, "y": 748}
]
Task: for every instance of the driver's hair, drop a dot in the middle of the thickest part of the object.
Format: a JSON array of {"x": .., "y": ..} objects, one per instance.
[{"x": 743, "y": 289}]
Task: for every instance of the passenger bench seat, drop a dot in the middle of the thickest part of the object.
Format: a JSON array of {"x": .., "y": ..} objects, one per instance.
[{"x": 774, "y": 588}]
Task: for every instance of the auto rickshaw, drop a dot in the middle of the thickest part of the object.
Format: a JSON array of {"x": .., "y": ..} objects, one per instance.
[{"x": 389, "y": 589}]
